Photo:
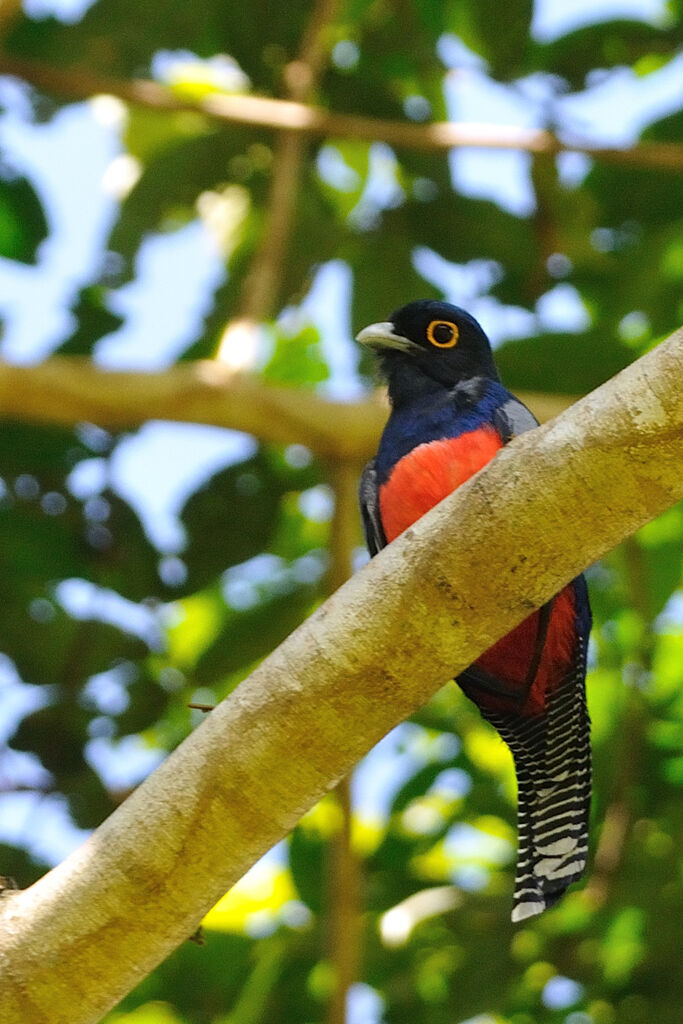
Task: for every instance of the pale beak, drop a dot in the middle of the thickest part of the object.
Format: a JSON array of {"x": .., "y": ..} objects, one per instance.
[{"x": 383, "y": 335}]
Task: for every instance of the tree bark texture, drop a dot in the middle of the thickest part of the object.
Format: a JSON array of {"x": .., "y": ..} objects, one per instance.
[{"x": 548, "y": 504}]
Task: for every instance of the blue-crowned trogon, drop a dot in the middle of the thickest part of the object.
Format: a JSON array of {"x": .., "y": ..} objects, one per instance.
[{"x": 450, "y": 414}]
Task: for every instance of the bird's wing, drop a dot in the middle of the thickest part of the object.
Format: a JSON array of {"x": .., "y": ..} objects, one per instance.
[
  {"x": 368, "y": 494},
  {"x": 513, "y": 418},
  {"x": 551, "y": 752},
  {"x": 510, "y": 419}
]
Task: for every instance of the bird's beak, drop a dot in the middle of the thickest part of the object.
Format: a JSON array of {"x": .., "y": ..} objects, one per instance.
[{"x": 383, "y": 335}]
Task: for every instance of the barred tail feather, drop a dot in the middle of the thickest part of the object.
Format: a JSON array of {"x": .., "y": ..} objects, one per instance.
[{"x": 553, "y": 765}]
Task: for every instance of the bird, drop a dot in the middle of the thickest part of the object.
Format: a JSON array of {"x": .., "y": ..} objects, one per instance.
[{"x": 450, "y": 415}]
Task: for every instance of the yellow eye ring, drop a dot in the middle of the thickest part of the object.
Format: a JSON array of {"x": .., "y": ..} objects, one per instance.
[{"x": 442, "y": 333}]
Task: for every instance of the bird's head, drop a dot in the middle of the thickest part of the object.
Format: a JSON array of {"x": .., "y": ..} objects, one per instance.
[{"x": 433, "y": 340}]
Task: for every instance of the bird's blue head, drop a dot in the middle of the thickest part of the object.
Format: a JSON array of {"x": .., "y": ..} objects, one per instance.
[{"x": 433, "y": 341}]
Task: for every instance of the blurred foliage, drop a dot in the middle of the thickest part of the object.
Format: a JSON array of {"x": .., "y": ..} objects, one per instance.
[
  {"x": 153, "y": 630},
  {"x": 22, "y": 221}
]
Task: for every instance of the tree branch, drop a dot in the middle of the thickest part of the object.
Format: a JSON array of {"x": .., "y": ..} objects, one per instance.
[
  {"x": 67, "y": 390},
  {"x": 344, "y": 869},
  {"x": 81, "y": 83},
  {"x": 547, "y": 505},
  {"x": 70, "y": 389}
]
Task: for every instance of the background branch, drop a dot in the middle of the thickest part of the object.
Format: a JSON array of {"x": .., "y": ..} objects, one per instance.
[
  {"x": 297, "y": 117},
  {"x": 9, "y": 9},
  {"x": 344, "y": 878},
  {"x": 262, "y": 282},
  {"x": 70, "y": 389}
]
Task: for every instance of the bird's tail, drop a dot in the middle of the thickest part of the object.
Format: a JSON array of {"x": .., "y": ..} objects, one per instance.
[{"x": 553, "y": 764}]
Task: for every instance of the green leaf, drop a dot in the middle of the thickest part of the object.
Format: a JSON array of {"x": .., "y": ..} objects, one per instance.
[
  {"x": 50, "y": 453},
  {"x": 148, "y": 701},
  {"x": 23, "y": 225},
  {"x": 308, "y": 856},
  {"x": 121, "y": 37},
  {"x": 247, "y": 636},
  {"x": 631, "y": 196},
  {"x": 18, "y": 867},
  {"x": 387, "y": 71},
  {"x": 384, "y": 277},
  {"x": 469, "y": 229},
  {"x": 88, "y": 799},
  {"x": 231, "y": 518},
  {"x": 94, "y": 321},
  {"x": 57, "y": 734},
  {"x": 60, "y": 650},
  {"x": 666, "y": 129},
  {"x": 343, "y": 169},
  {"x": 498, "y": 32},
  {"x": 166, "y": 193},
  {"x": 661, "y": 547},
  {"x": 214, "y": 986},
  {"x": 122, "y": 556},
  {"x": 621, "y": 42},
  {"x": 297, "y": 359},
  {"x": 563, "y": 363},
  {"x": 116, "y": 36},
  {"x": 47, "y": 535}
]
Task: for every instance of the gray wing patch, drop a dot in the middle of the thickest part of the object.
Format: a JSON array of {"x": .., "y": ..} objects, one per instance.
[
  {"x": 368, "y": 494},
  {"x": 513, "y": 418}
]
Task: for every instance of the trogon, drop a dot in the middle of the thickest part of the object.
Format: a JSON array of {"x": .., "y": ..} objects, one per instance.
[{"x": 450, "y": 415}]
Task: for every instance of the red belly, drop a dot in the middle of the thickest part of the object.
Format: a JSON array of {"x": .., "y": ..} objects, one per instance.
[
  {"x": 429, "y": 473},
  {"x": 421, "y": 480},
  {"x": 509, "y": 658}
]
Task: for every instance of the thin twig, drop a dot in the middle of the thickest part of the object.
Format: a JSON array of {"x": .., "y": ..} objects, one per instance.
[
  {"x": 300, "y": 78},
  {"x": 262, "y": 284}
]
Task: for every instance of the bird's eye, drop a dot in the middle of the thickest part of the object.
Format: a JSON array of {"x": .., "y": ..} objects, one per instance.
[{"x": 442, "y": 333}]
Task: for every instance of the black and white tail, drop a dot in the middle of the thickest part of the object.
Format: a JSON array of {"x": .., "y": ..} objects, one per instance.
[{"x": 553, "y": 764}]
